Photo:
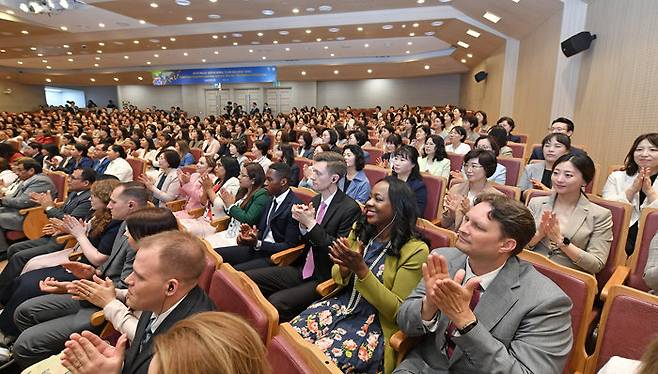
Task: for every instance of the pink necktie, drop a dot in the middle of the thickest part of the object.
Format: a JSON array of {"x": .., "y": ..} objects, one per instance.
[{"x": 309, "y": 265}]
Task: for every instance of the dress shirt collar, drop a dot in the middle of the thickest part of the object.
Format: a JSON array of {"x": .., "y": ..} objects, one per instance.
[
  {"x": 485, "y": 279},
  {"x": 162, "y": 316}
]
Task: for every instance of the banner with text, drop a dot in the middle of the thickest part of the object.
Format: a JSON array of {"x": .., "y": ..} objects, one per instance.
[{"x": 255, "y": 74}]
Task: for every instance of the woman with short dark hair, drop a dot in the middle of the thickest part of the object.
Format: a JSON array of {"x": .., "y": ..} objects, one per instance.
[
  {"x": 405, "y": 168},
  {"x": 355, "y": 184}
]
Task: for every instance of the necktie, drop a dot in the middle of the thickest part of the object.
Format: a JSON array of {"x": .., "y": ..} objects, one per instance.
[
  {"x": 269, "y": 218},
  {"x": 102, "y": 166},
  {"x": 156, "y": 201},
  {"x": 205, "y": 148},
  {"x": 309, "y": 265},
  {"x": 475, "y": 299},
  {"x": 148, "y": 333}
]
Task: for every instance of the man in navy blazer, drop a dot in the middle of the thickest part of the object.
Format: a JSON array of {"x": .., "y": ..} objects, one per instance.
[
  {"x": 276, "y": 231},
  {"x": 560, "y": 125}
]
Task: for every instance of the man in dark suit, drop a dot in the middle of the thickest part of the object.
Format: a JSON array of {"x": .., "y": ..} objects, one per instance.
[
  {"x": 292, "y": 288},
  {"x": 480, "y": 309},
  {"x": 508, "y": 124},
  {"x": 164, "y": 287},
  {"x": 276, "y": 231},
  {"x": 77, "y": 205},
  {"x": 99, "y": 156},
  {"x": 560, "y": 125}
]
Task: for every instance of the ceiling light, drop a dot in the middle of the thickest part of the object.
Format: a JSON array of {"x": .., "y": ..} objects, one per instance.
[
  {"x": 48, "y": 80},
  {"x": 359, "y": 29},
  {"x": 63, "y": 28},
  {"x": 19, "y": 62},
  {"x": 141, "y": 21},
  {"x": 283, "y": 32},
  {"x": 332, "y": 55},
  {"x": 295, "y": 10},
  {"x": 420, "y": 1},
  {"x": 318, "y": 39},
  {"x": 33, "y": 48},
  {"x": 48, "y": 67},
  {"x": 69, "y": 53},
  {"x": 445, "y": 1},
  {"x": 70, "y": 60},
  {"x": 308, "y": 31},
  {"x": 264, "y": 58},
  {"x": 429, "y": 33},
  {"x": 410, "y": 43},
  {"x": 437, "y": 23},
  {"x": 236, "y": 35},
  {"x": 116, "y": 79},
  {"x": 25, "y": 32},
  {"x": 183, "y": 2},
  {"x": 172, "y": 39},
  {"x": 366, "y": 45},
  {"x": 3, "y": 51},
  {"x": 325, "y": 8},
  {"x": 214, "y": 16},
  {"x": 96, "y": 65},
  {"x": 303, "y": 73},
  {"x": 387, "y": 27},
  {"x": 491, "y": 17},
  {"x": 412, "y": 34},
  {"x": 255, "y": 43},
  {"x": 185, "y": 54},
  {"x": 336, "y": 72},
  {"x": 407, "y": 52},
  {"x": 275, "y": 42},
  {"x": 101, "y": 25},
  {"x": 334, "y": 29},
  {"x": 101, "y": 44},
  {"x": 213, "y": 1},
  {"x": 369, "y": 71},
  {"x": 259, "y": 34},
  {"x": 340, "y": 38},
  {"x": 268, "y": 12},
  {"x": 469, "y": 55},
  {"x": 203, "y": 60},
  {"x": 97, "y": 58},
  {"x": 516, "y": 1},
  {"x": 136, "y": 41},
  {"x": 44, "y": 61},
  {"x": 148, "y": 62},
  {"x": 154, "y": 5},
  {"x": 235, "y": 43},
  {"x": 473, "y": 33},
  {"x": 163, "y": 47},
  {"x": 326, "y": 47},
  {"x": 427, "y": 67},
  {"x": 216, "y": 52},
  {"x": 140, "y": 78},
  {"x": 310, "y": 9},
  {"x": 224, "y": 36},
  {"x": 92, "y": 79},
  {"x": 251, "y": 51},
  {"x": 215, "y": 36},
  {"x": 125, "y": 57},
  {"x": 463, "y": 61},
  {"x": 40, "y": 54},
  {"x": 189, "y": 18},
  {"x": 462, "y": 44},
  {"x": 287, "y": 49},
  {"x": 415, "y": 25}
]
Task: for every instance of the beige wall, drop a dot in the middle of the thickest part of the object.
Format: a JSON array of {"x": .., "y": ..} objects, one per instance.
[
  {"x": 484, "y": 95},
  {"x": 617, "y": 91},
  {"x": 534, "y": 79},
  {"x": 23, "y": 97}
]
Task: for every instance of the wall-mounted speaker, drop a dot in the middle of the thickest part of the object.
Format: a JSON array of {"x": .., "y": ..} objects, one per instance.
[
  {"x": 480, "y": 76},
  {"x": 577, "y": 43}
]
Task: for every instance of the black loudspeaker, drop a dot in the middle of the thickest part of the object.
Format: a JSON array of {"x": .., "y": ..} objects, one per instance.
[
  {"x": 577, "y": 43},
  {"x": 480, "y": 76}
]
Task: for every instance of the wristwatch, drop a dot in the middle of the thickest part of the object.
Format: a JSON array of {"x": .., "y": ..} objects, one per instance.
[
  {"x": 464, "y": 330},
  {"x": 565, "y": 241}
]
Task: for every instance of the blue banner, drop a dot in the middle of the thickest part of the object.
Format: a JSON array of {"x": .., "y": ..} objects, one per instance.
[{"x": 254, "y": 74}]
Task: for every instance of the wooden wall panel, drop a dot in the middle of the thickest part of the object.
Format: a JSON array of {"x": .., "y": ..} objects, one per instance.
[
  {"x": 485, "y": 95},
  {"x": 23, "y": 97}
]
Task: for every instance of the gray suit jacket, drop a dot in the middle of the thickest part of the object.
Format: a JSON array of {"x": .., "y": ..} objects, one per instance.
[
  {"x": 77, "y": 205},
  {"x": 21, "y": 199},
  {"x": 531, "y": 171},
  {"x": 524, "y": 326},
  {"x": 119, "y": 264}
]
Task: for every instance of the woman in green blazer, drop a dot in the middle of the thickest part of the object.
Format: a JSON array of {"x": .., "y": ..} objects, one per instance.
[
  {"x": 375, "y": 269},
  {"x": 246, "y": 207}
]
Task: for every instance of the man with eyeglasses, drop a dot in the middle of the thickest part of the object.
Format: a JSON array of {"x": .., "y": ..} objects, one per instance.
[{"x": 559, "y": 125}]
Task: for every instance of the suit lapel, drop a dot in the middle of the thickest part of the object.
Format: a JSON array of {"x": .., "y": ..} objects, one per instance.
[
  {"x": 118, "y": 243},
  {"x": 332, "y": 208},
  {"x": 133, "y": 351},
  {"x": 285, "y": 206},
  {"x": 577, "y": 218}
]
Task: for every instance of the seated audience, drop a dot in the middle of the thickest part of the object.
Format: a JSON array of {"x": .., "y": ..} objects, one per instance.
[
  {"x": 259, "y": 151},
  {"x": 168, "y": 185},
  {"x": 499, "y": 135},
  {"x": 305, "y": 145},
  {"x": 478, "y": 308},
  {"x": 538, "y": 174},
  {"x": 100, "y": 159},
  {"x": 571, "y": 230},
  {"x": 478, "y": 166},
  {"x": 372, "y": 282},
  {"x": 118, "y": 165},
  {"x": 559, "y": 125},
  {"x": 355, "y": 184},
  {"x": 183, "y": 150},
  {"x": 330, "y": 138},
  {"x": 651, "y": 269},
  {"x": 328, "y": 216},
  {"x": 435, "y": 159},
  {"x": 483, "y": 125},
  {"x": 191, "y": 188},
  {"x": 637, "y": 182},
  {"x": 391, "y": 143},
  {"x": 455, "y": 141},
  {"x": 486, "y": 143},
  {"x": 507, "y": 123},
  {"x": 471, "y": 127},
  {"x": 146, "y": 150},
  {"x": 405, "y": 167},
  {"x": 237, "y": 150},
  {"x": 286, "y": 154},
  {"x": 7, "y": 176},
  {"x": 210, "y": 145}
]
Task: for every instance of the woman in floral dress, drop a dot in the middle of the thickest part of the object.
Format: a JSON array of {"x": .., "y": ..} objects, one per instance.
[{"x": 375, "y": 270}]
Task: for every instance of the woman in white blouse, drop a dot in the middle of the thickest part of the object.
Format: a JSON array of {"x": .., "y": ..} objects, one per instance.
[
  {"x": 259, "y": 150},
  {"x": 435, "y": 159},
  {"x": 637, "y": 182},
  {"x": 455, "y": 140},
  {"x": 166, "y": 187},
  {"x": 7, "y": 176},
  {"x": 118, "y": 165}
]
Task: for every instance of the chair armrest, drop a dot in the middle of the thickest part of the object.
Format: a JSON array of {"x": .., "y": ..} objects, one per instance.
[
  {"x": 402, "y": 344},
  {"x": 64, "y": 238},
  {"x": 221, "y": 224},
  {"x": 326, "y": 287},
  {"x": 176, "y": 205},
  {"x": 617, "y": 279},
  {"x": 75, "y": 256},
  {"x": 97, "y": 318},
  {"x": 26, "y": 211},
  {"x": 286, "y": 257},
  {"x": 196, "y": 213}
]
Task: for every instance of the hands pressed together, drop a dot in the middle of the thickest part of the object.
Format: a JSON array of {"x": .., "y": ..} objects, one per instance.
[
  {"x": 87, "y": 353},
  {"x": 347, "y": 259},
  {"x": 304, "y": 214}
]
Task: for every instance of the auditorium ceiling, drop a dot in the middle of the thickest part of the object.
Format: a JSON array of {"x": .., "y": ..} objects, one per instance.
[{"x": 121, "y": 41}]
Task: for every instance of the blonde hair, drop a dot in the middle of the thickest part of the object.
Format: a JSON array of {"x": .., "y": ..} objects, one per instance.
[
  {"x": 209, "y": 343},
  {"x": 102, "y": 189},
  {"x": 649, "y": 360}
]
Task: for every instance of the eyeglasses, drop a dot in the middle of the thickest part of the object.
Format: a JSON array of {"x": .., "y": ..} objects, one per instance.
[{"x": 472, "y": 166}]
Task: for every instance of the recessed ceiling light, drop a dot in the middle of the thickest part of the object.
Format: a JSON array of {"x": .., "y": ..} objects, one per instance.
[
  {"x": 216, "y": 52},
  {"x": 213, "y": 1},
  {"x": 97, "y": 58},
  {"x": 359, "y": 29},
  {"x": 141, "y": 21},
  {"x": 25, "y": 32},
  {"x": 326, "y": 47},
  {"x": 366, "y": 45},
  {"x": 287, "y": 49},
  {"x": 154, "y": 5},
  {"x": 215, "y": 36},
  {"x": 268, "y": 12},
  {"x": 259, "y": 34},
  {"x": 63, "y": 28},
  {"x": 203, "y": 60},
  {"x": 135, "y": 41},
  {"x": 516, "y": 1},
  {"x": 420, "y": 1},
  {"x": 148, "y": 62},
  {"x": 275, "y": 42},
  {"x": 44, "y": 61},
  {"x": 189, "y": 18},
  {"x": 283, "y": 32},
  {"x": 491, "y": 17},
  {"x": 251, "y": 51},
  {"x": 410, "y": 43},
  {"x": 69, "y": 53},
  {"x": 125, "y": 57},
  {"x": 295, "y": 10},
  {"x": 224, "y": 36},
  {"x": 101, "y": 25},
  {"x": 183, "y": 2},
  {"x": 469, "y": 55},
  {"x": 303, "y": 73},
  {"x": 462, "y": 44},
  {"x": 463, "y": 61},
  {"x": 48, "y": 67},
  {"x": 116, "y": 79},
  {"x": 140, "y": 78},
  {"x": 235, "y": 43},
  {"x": 70, "y": 60},
  {"x": 407, "y": 52},
  {"x": 156, "y": 55},
  {"x": 415, "y": 25},
  {"x": 445, "y": 1},
  {"x": 318, "y": 39},
  {"x": 40, "y": 54},
  {"x": 369, "y": 71},
  {"x": 308, "y": 31},
  {"x": 66, "y": 46},
  {"x": 3, "y": 51},
  {"x": 48, "y": 80},
  {"x": 19, "y": 62},
  {"x": 325, "y": 8},
  {"x": 296, "y": 41},
  {"x": 437, "y": 23},
  {"x": 96, "y": 65},
  {"x": 310, "y": 9},
  {"x": 473, "y": 33},
  {"x": 92, "y": 79},
  {"x": 214, "y": 16},
  {"x": 264, "y": 58},
  {"x": 185, "y": 54},
  {"x": 334, "y": 29},
  {"x": 336, "y": 72},
  {"x": 429, "y": 33},
  {"x": 340, "y": 38},
  {"x": 236, "y": 35},
  {"x": 255, "y": 43},
  {"x": 412, "y": 34},
  {"x": 332, "y": 55},
  {"x": 387, "y": 27},
  {"x": 172, "y": 39},
  {"x": 163, "y": 47},
  {"x": 33, "y": 48}
]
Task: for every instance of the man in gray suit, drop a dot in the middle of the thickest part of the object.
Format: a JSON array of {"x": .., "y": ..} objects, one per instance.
[
  {"x": 47, "y": 321},
  {"x": 481, "y": 310},
  {"x": 29, "y": 172},
  {"x": 77, "y": 205}
]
